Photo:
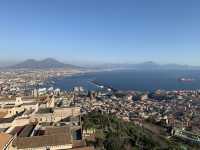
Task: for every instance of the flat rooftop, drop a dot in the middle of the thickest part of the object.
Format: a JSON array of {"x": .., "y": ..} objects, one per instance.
[{"x": 42, "y": 141}]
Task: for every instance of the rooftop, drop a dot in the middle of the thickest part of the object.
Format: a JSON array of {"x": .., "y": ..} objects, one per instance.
[
  {"x": 27, "y": 130},
  {"x": 84, "y": 148},
  {"x": 4, "y": 139},
  {"x": 3, "y": 113},
  {"x": 44, "y": 111},
  {"x": 58, "y": 130},
  {"x": 42, "y": 141},
  {"x": 6, "y": 120}
]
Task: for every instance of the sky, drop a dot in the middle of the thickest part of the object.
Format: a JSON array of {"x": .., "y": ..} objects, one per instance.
[{"x": 89, "y": 31}]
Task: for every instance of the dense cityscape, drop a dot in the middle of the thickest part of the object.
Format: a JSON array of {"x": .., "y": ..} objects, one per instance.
[
  {"x": 33, "y": 116},
  {"x": 99, "y": 75}
]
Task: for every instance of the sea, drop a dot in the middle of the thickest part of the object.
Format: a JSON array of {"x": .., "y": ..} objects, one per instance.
[{"x": 139, "y": 80}]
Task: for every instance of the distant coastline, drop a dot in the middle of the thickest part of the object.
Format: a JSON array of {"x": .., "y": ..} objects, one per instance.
[{"x": 131, "y": 80}]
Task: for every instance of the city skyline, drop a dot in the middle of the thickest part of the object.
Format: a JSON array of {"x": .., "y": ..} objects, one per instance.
[{"x": 101, "y": 31}]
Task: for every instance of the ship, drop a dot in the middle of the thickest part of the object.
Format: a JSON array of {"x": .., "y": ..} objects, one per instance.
[{"x": 186, "y": 80}]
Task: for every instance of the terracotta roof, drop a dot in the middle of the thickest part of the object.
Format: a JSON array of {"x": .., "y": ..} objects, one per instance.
[
  {"x": 3, "y": 113},
  {"x": 42, "y": 141},
  {"x": 4, "y": 139}
]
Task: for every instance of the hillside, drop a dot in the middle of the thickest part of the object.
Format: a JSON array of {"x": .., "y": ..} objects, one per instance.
[
  {"x": 115, "y": 134},
  {"x": 43, "y": 64}
]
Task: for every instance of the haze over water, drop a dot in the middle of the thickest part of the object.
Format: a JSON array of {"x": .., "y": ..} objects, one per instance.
[{"x": 135, "y": 80}]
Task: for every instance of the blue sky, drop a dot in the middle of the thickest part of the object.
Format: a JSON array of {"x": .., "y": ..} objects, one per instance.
[{"x": 165, "y": 31}]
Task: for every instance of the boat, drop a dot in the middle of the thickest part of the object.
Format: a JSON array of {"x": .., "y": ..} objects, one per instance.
[{"x": 187, "y": 80}]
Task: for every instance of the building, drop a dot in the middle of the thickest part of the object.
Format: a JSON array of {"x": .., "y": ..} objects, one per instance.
[
  {"x": 54, "y": 138},
  {"x": 47, "y": 142},
  {"x": 6, "y": 141},
  {"x": 55, "y": 115}
]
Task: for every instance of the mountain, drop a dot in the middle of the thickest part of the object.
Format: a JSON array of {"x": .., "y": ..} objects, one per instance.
[
  {"x": 149, "y": 65},
  {"x": 43, "y": 64},
  {"x": 155, "y": 66},
  {"x": 52, "y": 63}
]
